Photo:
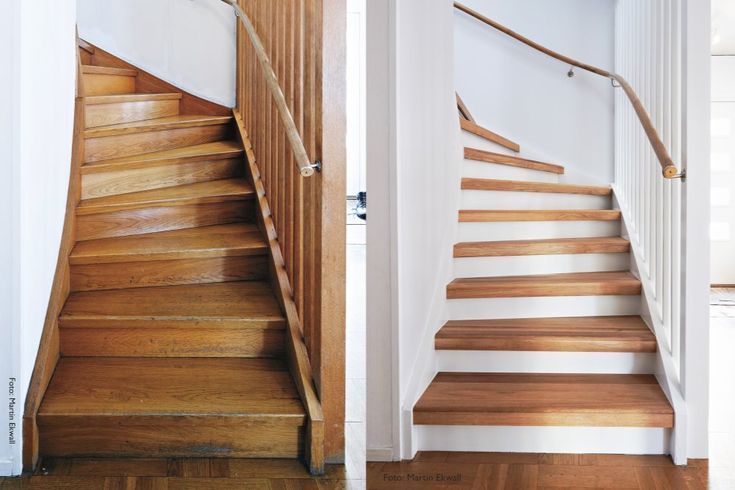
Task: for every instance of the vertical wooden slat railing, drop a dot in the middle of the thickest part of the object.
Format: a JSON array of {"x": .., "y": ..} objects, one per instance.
[{"x": 303, "y": 216}]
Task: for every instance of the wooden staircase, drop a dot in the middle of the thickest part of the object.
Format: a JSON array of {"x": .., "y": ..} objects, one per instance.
[
  {"x": 172, "y": 341},
  {"x": 527, "y": 241}
]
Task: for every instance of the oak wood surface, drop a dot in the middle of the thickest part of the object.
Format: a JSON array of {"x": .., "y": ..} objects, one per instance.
[
  {"x": 601, "y": 400},
  {"x": 592, "y": 245},
  {"x": 108, "y": 84},
  {"x": 109, "y": 70},
  {"x": 577, "y": 334},
  {"x": 471, "y": 127},
  {"x": 523, "y": 186},
  {"x": 128, "y": 111},
  {"x": 463, "y": 110},
  {"x": 187, "y": 154},
  {"x": 481, "y": 215},
  {"x": 238, "y": 239},
  {"x": 491, "y": 157},
  {"x": 568, "y": 284},
  {"x": 162, "y": 218},
  {"x": 198, "y": 193},
  {"x": 157, "y": 124}
]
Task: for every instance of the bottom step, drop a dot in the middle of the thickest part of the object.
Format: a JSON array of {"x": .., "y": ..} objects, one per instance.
[
  {"x": 135, "y": 407},
  {"x": 592, "y": 400}
]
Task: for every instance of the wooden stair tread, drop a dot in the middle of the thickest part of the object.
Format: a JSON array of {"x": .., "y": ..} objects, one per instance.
[
  {"x": 476, "y": 129},
  {"x": 201, "y": 192},
  {"x": 238, "y": 302},
  {"x": 230, "y": 240},
  {"x": 567, "y": 284},
  {"x": 576, "y": 334},
  {"x": 159, "y": 124},
  {"x": 118, "y": 99},
  {"x": 553, "y": 246},
  {"x": 207, "y": 151},
  {"x": 165, "y": 387},
  {"x": 522, "y": 186},
  {"x": 491, "y": 215},
  {"x": 499, "y": 158},
  {"x": 627, "y": 400},
  {"x": 108, "y": 70}
]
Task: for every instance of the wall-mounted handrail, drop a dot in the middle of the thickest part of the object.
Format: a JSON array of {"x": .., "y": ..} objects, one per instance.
[
  {"x": 668, "y": 169},
  {"x": 305, "y": 167}
]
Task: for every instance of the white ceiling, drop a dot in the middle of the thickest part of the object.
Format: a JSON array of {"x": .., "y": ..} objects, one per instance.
[{"x": 723, "y": 27}]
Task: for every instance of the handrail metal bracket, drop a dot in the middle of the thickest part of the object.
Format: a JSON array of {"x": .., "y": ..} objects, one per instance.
[
  {"x": 681, "y": 175},
  {"x": 614, "y": 83},
  {"x": 309, "y": 170}
]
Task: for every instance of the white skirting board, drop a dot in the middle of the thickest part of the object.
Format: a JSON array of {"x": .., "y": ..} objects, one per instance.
[
  {"x": 8, "y": 468},
  {"x": 577, "y": 440},
  {"x": 545, "y": 362},
  {"x": 380, "y": 454}
]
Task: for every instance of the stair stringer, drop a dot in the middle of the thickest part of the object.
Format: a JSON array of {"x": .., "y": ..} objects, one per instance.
[{"x": 665, "y": 365}]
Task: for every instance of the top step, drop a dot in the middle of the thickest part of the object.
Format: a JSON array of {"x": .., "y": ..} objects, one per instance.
[{"x": 490, "y": 157}]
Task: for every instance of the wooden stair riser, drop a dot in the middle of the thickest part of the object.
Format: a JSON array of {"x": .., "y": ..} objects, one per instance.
[
  {"x": 508, "y": 200},
  {"x": 173, "y": 436},
  {"x": 103, "y": 84},
  {"x": 205, "y": 339},
  {"x": 110, "y": 183},
  {"x": 167, "y": 272},
  {"x": 124, "y": 145},
  {"x": 539, "y": 264},
  {"x": 535, "y": 230},
  {"x": 96, "y": 115},
  {"x": 162, "y": 218}
]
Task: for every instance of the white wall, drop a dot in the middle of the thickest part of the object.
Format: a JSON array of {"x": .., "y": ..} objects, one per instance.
[
  {"x": 37, "y": 135},
  {"x": 419, "y": 178},
  {"x": 526, "y": 96},
  {"x": 723, "y": 171},
  {"x": 189, "y": 43}
]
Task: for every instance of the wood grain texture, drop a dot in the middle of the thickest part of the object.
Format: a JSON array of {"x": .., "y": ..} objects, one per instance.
[
  {"x": 553, "y": 246},
  {"x": 544, "y": 399},
  {"x": 481, "y": 215},
  {"x": 578, "y": 334},
  {"x": 179, "y": 407},
  {"x": 522, "y": 186},
  {"x": 236, "y": 304},
  {"x": 464, "y": 112},
  {"x": 232, "y": 240},
  {"x": 160, "y": 124},
  {"x": 217, "y": 150},
  {"x": 108, "y": 84},
  {"x": 471, "y": 127},
  {"x": 147, "y": 83},
  {"x": 490, "y": 157},
  {"x": 125, "y": 109},
  {"x": 162, "y": 218},
  {"x": 154, "y": 140},
  {"x": 198, "y": 193},
  {"x": 109, "y": 70},
  {"x": 125, "y": 181},
  {"x": 569, "y": 284},
  {"x": 144, "y": 274}
]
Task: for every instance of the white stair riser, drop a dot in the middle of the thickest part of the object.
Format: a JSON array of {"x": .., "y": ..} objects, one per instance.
[
  {"x": 546, "y": 362},
  {"x": 472, "y": 199},
  {"x": 569, "y": 440},
  {"x": 539, "y": 264},
  {"x": 483, "y": 170},
  {"x": 535, "y": 230},
  {"x": 470, "y": 140},
  {"x": 542, "y": 307}
]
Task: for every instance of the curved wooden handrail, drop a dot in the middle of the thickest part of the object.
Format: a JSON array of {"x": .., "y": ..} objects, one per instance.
[
  {"x": 301, "y": 157},
  {"x": 668, "y": 169}
]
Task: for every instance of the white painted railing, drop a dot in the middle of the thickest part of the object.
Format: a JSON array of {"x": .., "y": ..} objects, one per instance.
[{"x": 648, "y": 53}]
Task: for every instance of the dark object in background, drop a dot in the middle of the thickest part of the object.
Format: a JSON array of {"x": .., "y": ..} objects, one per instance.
[{"x": 361, "y": 207}]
